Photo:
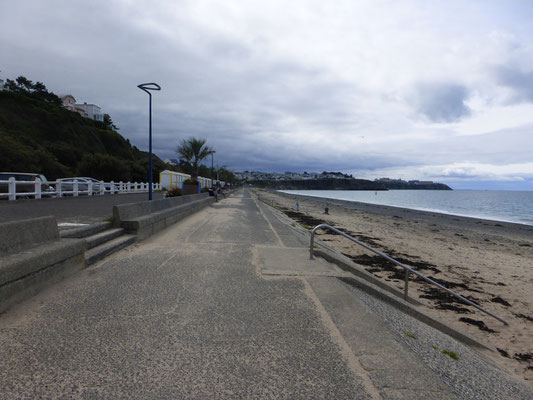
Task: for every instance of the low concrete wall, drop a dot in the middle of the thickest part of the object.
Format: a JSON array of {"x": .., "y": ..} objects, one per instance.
[
  {"x": 148, "y": 217},
  {"x": 34, "y": 258},
  {"x": 18, "y": 235}
]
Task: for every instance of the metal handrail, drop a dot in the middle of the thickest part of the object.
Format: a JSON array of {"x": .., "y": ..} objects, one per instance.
[{"x": 405, "y": 267}]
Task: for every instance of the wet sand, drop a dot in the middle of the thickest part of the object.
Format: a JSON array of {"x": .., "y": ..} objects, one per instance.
[{"x": 488, "y": 262}]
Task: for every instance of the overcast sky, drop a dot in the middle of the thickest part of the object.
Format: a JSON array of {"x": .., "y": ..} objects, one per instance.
[{"x": 438, "y": 90}]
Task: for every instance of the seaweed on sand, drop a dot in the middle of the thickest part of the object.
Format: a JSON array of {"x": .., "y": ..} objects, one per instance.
[{"x": 480, "y": 324}]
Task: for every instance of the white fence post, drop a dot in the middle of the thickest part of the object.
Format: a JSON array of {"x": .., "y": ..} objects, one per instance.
[
  {"x": 102, "y": 187},
  {"x": 75, "y": 188},
  {"x": 90, "y": 188},
  {"x": 37, "y": 188},
  {"x": 12, "y": 188},
  {"x": 112, "y": 187},
  {"x": 59, "y": 192},
  {"x": 128, "y": 186}
]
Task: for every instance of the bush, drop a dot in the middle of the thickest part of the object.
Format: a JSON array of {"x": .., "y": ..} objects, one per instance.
[
  {"x": 174, "y": 192},
  {"x": 105, "y": 167},
  {"x": 188, "y": 181}
]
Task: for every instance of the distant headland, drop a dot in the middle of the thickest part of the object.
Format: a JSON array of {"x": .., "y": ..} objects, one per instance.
[{"x": 331, "y": 181}]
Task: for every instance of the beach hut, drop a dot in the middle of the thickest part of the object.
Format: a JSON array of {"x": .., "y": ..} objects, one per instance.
[
  {"x": 204, "y": 182},
  {"x": 172, "y": 179}
]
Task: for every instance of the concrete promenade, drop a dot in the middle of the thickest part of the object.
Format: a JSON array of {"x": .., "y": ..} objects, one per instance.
[{"x": 226, "y": 305}]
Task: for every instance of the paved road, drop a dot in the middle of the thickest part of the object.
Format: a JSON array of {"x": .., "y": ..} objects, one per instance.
[
  {"x": 224, "y": 305},
  {"x": 83, "y": 209}
]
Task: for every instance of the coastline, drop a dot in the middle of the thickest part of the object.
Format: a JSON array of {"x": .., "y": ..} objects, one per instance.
[
  {"x": 419, "y": 214},
  {"x": 422, "y": 210},
  {"x": 487, "y": 261}
]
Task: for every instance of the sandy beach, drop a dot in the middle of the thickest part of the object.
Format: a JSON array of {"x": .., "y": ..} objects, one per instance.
[{"x": 488, "y": 262}]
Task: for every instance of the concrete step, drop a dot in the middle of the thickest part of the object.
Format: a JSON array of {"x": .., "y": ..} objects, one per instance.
[
  {"x": 85, "y": 231},
  {"x": 102, "y": 237},
  {"x": 97, "y": 253}
]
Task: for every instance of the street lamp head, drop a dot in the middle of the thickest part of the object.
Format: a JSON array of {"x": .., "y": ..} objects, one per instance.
[{"x": 149, "y": 86}]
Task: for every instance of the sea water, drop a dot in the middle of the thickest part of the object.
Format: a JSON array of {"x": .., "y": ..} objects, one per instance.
[{"x": 496, "y": 205}]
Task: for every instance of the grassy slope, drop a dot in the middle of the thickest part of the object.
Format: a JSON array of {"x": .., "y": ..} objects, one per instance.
[{"x": 36, "y": 136}]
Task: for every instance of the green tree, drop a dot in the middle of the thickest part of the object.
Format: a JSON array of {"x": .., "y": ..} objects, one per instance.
[
  {"x": 105, "y": 167},
  {"x": 25, "y": 84},
  {"x": 108, "y": 122},
  {"x": 39, "y": 87},
  {"x": 192, "y": 151},
  {"x": 226, "y": 175}
]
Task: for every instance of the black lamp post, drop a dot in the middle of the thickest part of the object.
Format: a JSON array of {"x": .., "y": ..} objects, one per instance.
[
  {"x": 212, "y": 167},
  {"x": 146, "y": 87}
]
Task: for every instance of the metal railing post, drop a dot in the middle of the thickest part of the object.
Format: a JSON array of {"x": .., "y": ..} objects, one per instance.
[
  {"x": 75, "y": 188},
  {"x": 406, "y": 287},
  {"x": 312, "y": 245},
  {"x": 59, "y": 192},
  {"x": 37, "y": 188},
  {"x": 12, "y": 188}
]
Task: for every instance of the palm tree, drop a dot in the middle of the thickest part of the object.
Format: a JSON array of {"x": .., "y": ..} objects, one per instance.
[{"x": 193, "y": 151}]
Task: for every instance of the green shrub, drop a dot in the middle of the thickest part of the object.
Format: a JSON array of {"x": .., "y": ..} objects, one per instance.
[
  {"x": 174, "y": 192},
  {"x": 105, "y": 167}
]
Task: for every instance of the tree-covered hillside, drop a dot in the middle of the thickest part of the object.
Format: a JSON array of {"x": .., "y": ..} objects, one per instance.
[{"x": 40, "y": 136}]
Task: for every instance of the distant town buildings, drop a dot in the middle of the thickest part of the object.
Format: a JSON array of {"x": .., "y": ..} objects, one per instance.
[
  {"x": 287, "y": 176},
  {"x": 171, "y": 161},
  {"x": 412, "y": 182}
]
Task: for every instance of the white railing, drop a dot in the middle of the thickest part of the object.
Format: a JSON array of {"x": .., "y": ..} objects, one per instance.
[{"x": 39, "y": 189}]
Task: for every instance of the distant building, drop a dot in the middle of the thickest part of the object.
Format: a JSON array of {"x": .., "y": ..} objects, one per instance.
[
  {"x": 92, "y": 111},
  {"x": 68, "y": 101}
]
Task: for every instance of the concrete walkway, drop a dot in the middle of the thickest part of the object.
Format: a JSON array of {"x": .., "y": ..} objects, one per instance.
[{"x": 224, "y": 305}]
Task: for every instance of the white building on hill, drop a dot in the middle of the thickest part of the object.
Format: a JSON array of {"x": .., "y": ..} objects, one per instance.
[{"x": 92, "y": 111}]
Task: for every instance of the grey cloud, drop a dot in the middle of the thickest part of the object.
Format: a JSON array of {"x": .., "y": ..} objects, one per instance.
[
  {"x": 519, "y": 81},
  {"x": 441, "y": 102},
  {"x": 252, "y": 103}
]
